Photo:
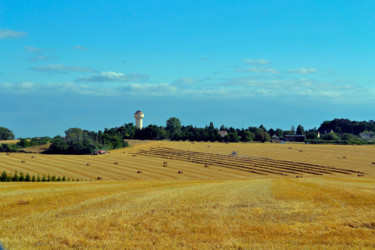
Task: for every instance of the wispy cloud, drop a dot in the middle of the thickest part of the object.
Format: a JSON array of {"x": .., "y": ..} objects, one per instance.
[
  {"x": 189, "y": 81},
  {"x": 60, "y": 68},
  {"x": 78, "y": 47},
  {"x": 240, "y": 87},
  {"x": 162, "y": 89},
  {"x": 256, "y": 61},
  {"x": 110, "y": 76},
  {"x": 303, "y": 71},
  {"x": 41, "y": 54},
  {"x": 7, "y": 33},
  {"x": 259, "y": 70}
]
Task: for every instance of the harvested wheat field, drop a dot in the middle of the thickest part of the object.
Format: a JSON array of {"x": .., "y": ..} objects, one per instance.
[
  {"x": 124, "y": 164},
  {"x": 8, "y": 141},
  {"x": 194, "y": 195}
]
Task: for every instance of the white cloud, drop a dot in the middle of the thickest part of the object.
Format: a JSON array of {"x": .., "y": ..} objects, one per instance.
[
  {"x": 189, "y": 81},
  {"x": 303, "y": 71},
  {"x": 259, "y": 70},
  {"x": 243, "y": 87},
  {"x": 256, "y": 61},
  {"x": 110, "y": 76},
  {"x": 60, "y": 68},
  {"x": 7, "y": 33}
]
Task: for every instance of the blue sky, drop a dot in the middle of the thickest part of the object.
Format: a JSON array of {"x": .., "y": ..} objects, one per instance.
[{"x": 92, "y": 64}]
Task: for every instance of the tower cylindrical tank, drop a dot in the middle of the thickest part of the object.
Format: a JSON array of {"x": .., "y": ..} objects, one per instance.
[{"x": 139, "y": 119}]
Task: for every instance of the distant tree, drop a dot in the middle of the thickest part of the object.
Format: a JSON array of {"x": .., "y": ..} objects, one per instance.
[
  {"x": 293, "y": 129},
  {"x": 24, "y": 143},
  {"x": 262, "y": 128},
  {"x": 262, "y": 136},
  {"x": 233, "y": 137},
  {"x": 312, "y": 135},
  {"x": 288, "y": 133},
  {"x": 173, "y": 127},
  {"x": 331, "y": 136},
  {"x": 6, "y": 134},
  {"x": 27, "y": 177},
  {"x": 300, "y": 130},
  {"x": 223, "y": 128},
  {"x": 15, "y": 176},
  {"x": 271, "y": 132},
  {"x": 212, "y": 132},
  {"x": 4, "y": 176},
  {"x": 279, "y": 132},
  {"x": 247, "y": 136},
  {"x": 58, "y": 145},
  {"x": 21, "y": 177}
]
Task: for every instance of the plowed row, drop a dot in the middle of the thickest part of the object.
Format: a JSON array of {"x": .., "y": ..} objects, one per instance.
[{"x": 256, "y": 165}]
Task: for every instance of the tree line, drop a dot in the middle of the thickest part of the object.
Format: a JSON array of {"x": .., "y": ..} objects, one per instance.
[
  {"x": 21, "y": 177},
  {"x": 24, "y": 143},
  {"x": 78, "y": 141}
]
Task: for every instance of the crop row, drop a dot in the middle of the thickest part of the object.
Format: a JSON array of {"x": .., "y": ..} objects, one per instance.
[{"x": 255, "y": 165}]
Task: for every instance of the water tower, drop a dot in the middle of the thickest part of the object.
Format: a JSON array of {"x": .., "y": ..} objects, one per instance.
[{"x": 139, "y": 119}]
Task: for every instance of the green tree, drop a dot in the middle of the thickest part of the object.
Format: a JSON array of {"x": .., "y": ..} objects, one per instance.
[
  {"x": 247, "y": 136},
  {"x": 58, "y": 145},
  {"x": 279, "y": 132},
  {"x": 4, "y": 176},
  {"x": 233, "y": 137},
  {"x": 173, "y": 127},
  {"x": 6, "y": 134},
  {"x": 331, "y": 136},
  {"x": 15, "y": 177},
  {"x": 22, "y": 177},
  {"x": 24, "y": 143},
  {"x": 300, "y": 130},
  {"x": 312, "y": 135},
  {"x": 262, "y": 136}
]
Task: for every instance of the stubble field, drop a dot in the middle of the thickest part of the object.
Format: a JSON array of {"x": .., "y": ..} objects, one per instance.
[{"x": 202, "y": 207}]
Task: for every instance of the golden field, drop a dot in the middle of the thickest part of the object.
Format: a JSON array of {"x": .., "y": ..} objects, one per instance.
[
  {"x": 8, "y": 141},
  {"x": 201, "y": 208}
]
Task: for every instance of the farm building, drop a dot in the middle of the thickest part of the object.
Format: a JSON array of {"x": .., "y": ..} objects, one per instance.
[
  {"x": 223, "y": 133},
  {"x": 294, "y": 138}
]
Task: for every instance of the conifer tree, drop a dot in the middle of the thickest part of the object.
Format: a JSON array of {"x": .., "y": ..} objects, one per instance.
[
  {"x": 15, "y": 176},
  {"x": 27, "y": 177},
  {"x": 38, "y": 178},
  {"x": 33, "y": 179},
  {"x": 64, "y": 178},
  {"x": 4, "y": 176},
  {"x": 21, "y": 177}
]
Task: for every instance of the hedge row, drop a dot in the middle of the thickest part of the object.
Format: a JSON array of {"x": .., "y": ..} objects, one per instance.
[{"x": 21, "y": 177}]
